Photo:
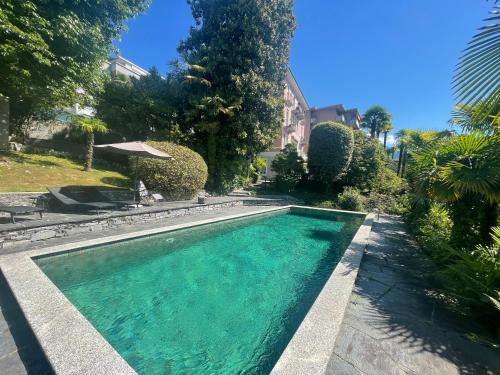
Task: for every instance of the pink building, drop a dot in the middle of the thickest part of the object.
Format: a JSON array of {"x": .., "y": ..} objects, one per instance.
[{"x": 299, "y": 118}]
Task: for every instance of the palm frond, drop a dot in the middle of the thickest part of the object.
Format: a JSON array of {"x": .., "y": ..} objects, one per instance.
[{"x": 477, "y": 75}]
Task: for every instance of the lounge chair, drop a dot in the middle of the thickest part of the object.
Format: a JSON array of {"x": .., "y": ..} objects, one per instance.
[
  {"x": 147, "y": 196},
  {"x": 20, "y": 210},
  {"x": 62, "y": 197},
  {"x": 113, "y": 196}
]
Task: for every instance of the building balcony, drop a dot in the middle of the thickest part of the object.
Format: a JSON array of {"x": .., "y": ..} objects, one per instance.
[
  {"x": 299, "y": 114},
  {"x": 290, "y": 128}
]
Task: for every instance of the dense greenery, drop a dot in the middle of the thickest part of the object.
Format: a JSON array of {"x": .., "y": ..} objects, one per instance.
[
  {"x": 289, "y": 167},
  {"x": 368, "y": 160},
  {"x": 330, "y": 151},
  {"x": 181, "y": 178},
  {"x": 350, "y": 199},
  {"x": 237, "y": 57},
  {"x": 49, "y": 49},
  {"x": 140, "y": 109}
]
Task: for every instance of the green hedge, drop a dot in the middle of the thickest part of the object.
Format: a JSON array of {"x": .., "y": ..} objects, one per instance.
[
  {"x": 178, "y": 179},
  {"x": 330, "y": 151}
]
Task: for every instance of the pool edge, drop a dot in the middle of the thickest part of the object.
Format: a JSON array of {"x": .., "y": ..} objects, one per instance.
[
  {"x": 311, "y": 347},
  {"x": 56, "y": 322}
]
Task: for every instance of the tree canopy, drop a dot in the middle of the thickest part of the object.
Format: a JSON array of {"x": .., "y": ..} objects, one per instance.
[
  {"x": 235, "y": 60},
  {"x": 376, "y": 119},
  {"x": 49, "y": 49}
]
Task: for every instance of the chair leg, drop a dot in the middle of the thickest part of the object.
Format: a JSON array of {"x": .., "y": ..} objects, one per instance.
[
  {"x": 13, "y": 218},
  {"x": 41, "y": 214}
]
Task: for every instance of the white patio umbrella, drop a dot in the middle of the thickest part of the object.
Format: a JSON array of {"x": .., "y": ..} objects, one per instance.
[{"x": 137, "y": 149}]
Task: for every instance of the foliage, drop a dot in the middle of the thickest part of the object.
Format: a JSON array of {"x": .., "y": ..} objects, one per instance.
[
  {"x": 49, "y": 49},
  {"x": 476, "y": 78},
  {"x": 235, "y": 57},
  {"x": 257, "y": 168},
  {"x": 23, "y": 171},
  {"x": 376, "y": 119},
  {"x": 368, "y": 161},
  {"x": 139, "y": 109},
  {"x": 465, "y": 164},
  {"x": 88, "y": 126},
  {"x": 181, "y": 178},
  {"x": 330, "y": 151},
  {"x": 471, "y": 119},
  {"x": 388, "y": 194},
  {"x": 350, "y": 199},
  {"x": 289, "y": 168},
  {"x": 470, "y": 278}
]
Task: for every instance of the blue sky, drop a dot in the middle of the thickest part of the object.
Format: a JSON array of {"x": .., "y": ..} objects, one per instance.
[{"x": 396, "y": 53}]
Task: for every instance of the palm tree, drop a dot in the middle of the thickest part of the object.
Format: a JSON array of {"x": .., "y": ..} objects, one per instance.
[
  {"x": 460, "y": 167},
  {"x": 477, "y": 74},
  {"x": 386, "y": 128},
  {"x": 374, "y": 119},
  {"x": 88, "y": 126},
  {"x": 403, "y": 141}
]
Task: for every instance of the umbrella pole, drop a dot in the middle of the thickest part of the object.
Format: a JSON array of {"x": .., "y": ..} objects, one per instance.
[{"x": 136, "y": 187}]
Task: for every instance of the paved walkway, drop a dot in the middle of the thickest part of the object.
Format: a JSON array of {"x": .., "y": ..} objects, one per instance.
[{"x": 392, "y": 326}]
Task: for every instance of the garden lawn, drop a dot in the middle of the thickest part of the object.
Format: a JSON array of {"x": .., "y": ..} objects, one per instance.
[{"x": 34, "y": 172}]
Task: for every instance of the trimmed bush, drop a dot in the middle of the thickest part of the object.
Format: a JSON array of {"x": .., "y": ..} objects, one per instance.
[
  {"x": 330, "y": 151},
  {"x": 178, "y": 179},
  {"x": 351, "y": 200}
]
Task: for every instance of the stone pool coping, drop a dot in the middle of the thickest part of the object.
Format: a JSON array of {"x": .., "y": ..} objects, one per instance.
[
  {"x": 73, "y": 346},
  {"x": 312, "y": 345}
]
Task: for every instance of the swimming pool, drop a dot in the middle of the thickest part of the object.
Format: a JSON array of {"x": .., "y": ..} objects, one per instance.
[{"x": 220, "y": 298}]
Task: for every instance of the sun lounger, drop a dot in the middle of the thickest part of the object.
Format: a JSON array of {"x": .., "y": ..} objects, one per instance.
[
  {"x": 64, "y": 198},
  {"x": 20, "y": 210}
]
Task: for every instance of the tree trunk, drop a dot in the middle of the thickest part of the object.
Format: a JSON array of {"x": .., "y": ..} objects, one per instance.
[
  {"x": 403, "y": 163},
  {"x": 372, "y": 131},
  {"x": 489, "y": 220},
  {"x": 90, "y": 151},
  {"x": 400, "y": 161},
  {"x": 212, "y": 160},
  {"x": 385, "y": 139}
]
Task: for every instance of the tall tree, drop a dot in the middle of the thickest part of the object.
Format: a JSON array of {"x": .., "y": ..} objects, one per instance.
[
  {"x": 242, "y": 48},
  {"x": 49, "y": 49},
  {"x": 386, "y": 129},
  {"x": 374, "y": 119}
]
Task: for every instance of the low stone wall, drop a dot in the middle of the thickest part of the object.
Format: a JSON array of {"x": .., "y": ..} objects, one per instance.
[{"x": 25, "y": 236}]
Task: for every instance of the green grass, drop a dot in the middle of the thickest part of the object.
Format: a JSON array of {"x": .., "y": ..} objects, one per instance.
[{"x": 34, "y": 172}]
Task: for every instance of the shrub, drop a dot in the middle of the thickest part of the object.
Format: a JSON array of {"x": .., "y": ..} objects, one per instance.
[
  {"x": 330, "y": 151},
  {"x": 177, "y": 179},
  {"x": 350, "y": 199},
  {"x": 289, "y": 167},
  {"x": 368, "y": 161}
]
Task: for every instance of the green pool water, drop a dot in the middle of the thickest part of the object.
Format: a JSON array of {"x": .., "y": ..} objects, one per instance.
[{"x": 224, "y": 298}]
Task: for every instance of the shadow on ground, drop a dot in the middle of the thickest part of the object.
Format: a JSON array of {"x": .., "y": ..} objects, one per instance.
[
  {"x": 394, "y": 326},
  {"x": 20, "y": 352}
]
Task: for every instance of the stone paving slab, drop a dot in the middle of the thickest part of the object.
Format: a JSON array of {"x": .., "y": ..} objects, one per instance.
[{"x": 392, "y": 326}]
